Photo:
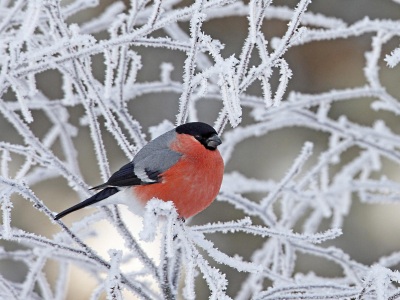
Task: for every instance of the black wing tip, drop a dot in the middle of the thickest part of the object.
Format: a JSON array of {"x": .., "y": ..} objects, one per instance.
[{"x": 99, "y": 187}]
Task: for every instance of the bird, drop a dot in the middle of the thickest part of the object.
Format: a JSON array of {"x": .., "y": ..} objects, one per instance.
[{"x": 182, "y": 165}]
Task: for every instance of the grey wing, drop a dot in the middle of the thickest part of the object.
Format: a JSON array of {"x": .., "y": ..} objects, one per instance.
[
  {"x": 152, "y": 160},
  {"x": 152, "y": 166},
  {"x": 155, "y": 158}
]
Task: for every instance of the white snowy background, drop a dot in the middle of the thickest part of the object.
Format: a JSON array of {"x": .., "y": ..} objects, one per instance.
[{"x": 305, "y": 96}]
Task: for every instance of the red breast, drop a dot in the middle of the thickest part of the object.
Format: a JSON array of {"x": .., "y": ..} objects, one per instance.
[{"x": 193, "y": 182}]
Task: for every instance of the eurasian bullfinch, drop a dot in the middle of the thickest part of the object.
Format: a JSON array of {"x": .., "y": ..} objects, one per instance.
[{"x": 183, "y": 166}]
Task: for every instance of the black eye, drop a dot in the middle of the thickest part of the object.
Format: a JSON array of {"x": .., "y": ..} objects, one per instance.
[{"x": 197, "y": 137}]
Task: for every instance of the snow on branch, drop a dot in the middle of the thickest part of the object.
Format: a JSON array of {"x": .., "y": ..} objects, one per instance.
[{"x": 103, "y": 73}]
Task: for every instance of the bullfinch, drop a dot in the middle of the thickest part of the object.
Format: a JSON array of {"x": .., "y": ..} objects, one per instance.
[{"x": 182, "y": 165}]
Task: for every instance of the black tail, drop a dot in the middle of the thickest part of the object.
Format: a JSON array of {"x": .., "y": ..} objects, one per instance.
[{"x": 107, "y": 192}]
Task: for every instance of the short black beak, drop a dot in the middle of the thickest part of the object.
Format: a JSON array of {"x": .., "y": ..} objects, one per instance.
[{"x": 213, "y": 142}]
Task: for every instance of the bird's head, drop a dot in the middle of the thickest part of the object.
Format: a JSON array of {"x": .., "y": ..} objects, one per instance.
[{"x": 202, "y": 132}]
